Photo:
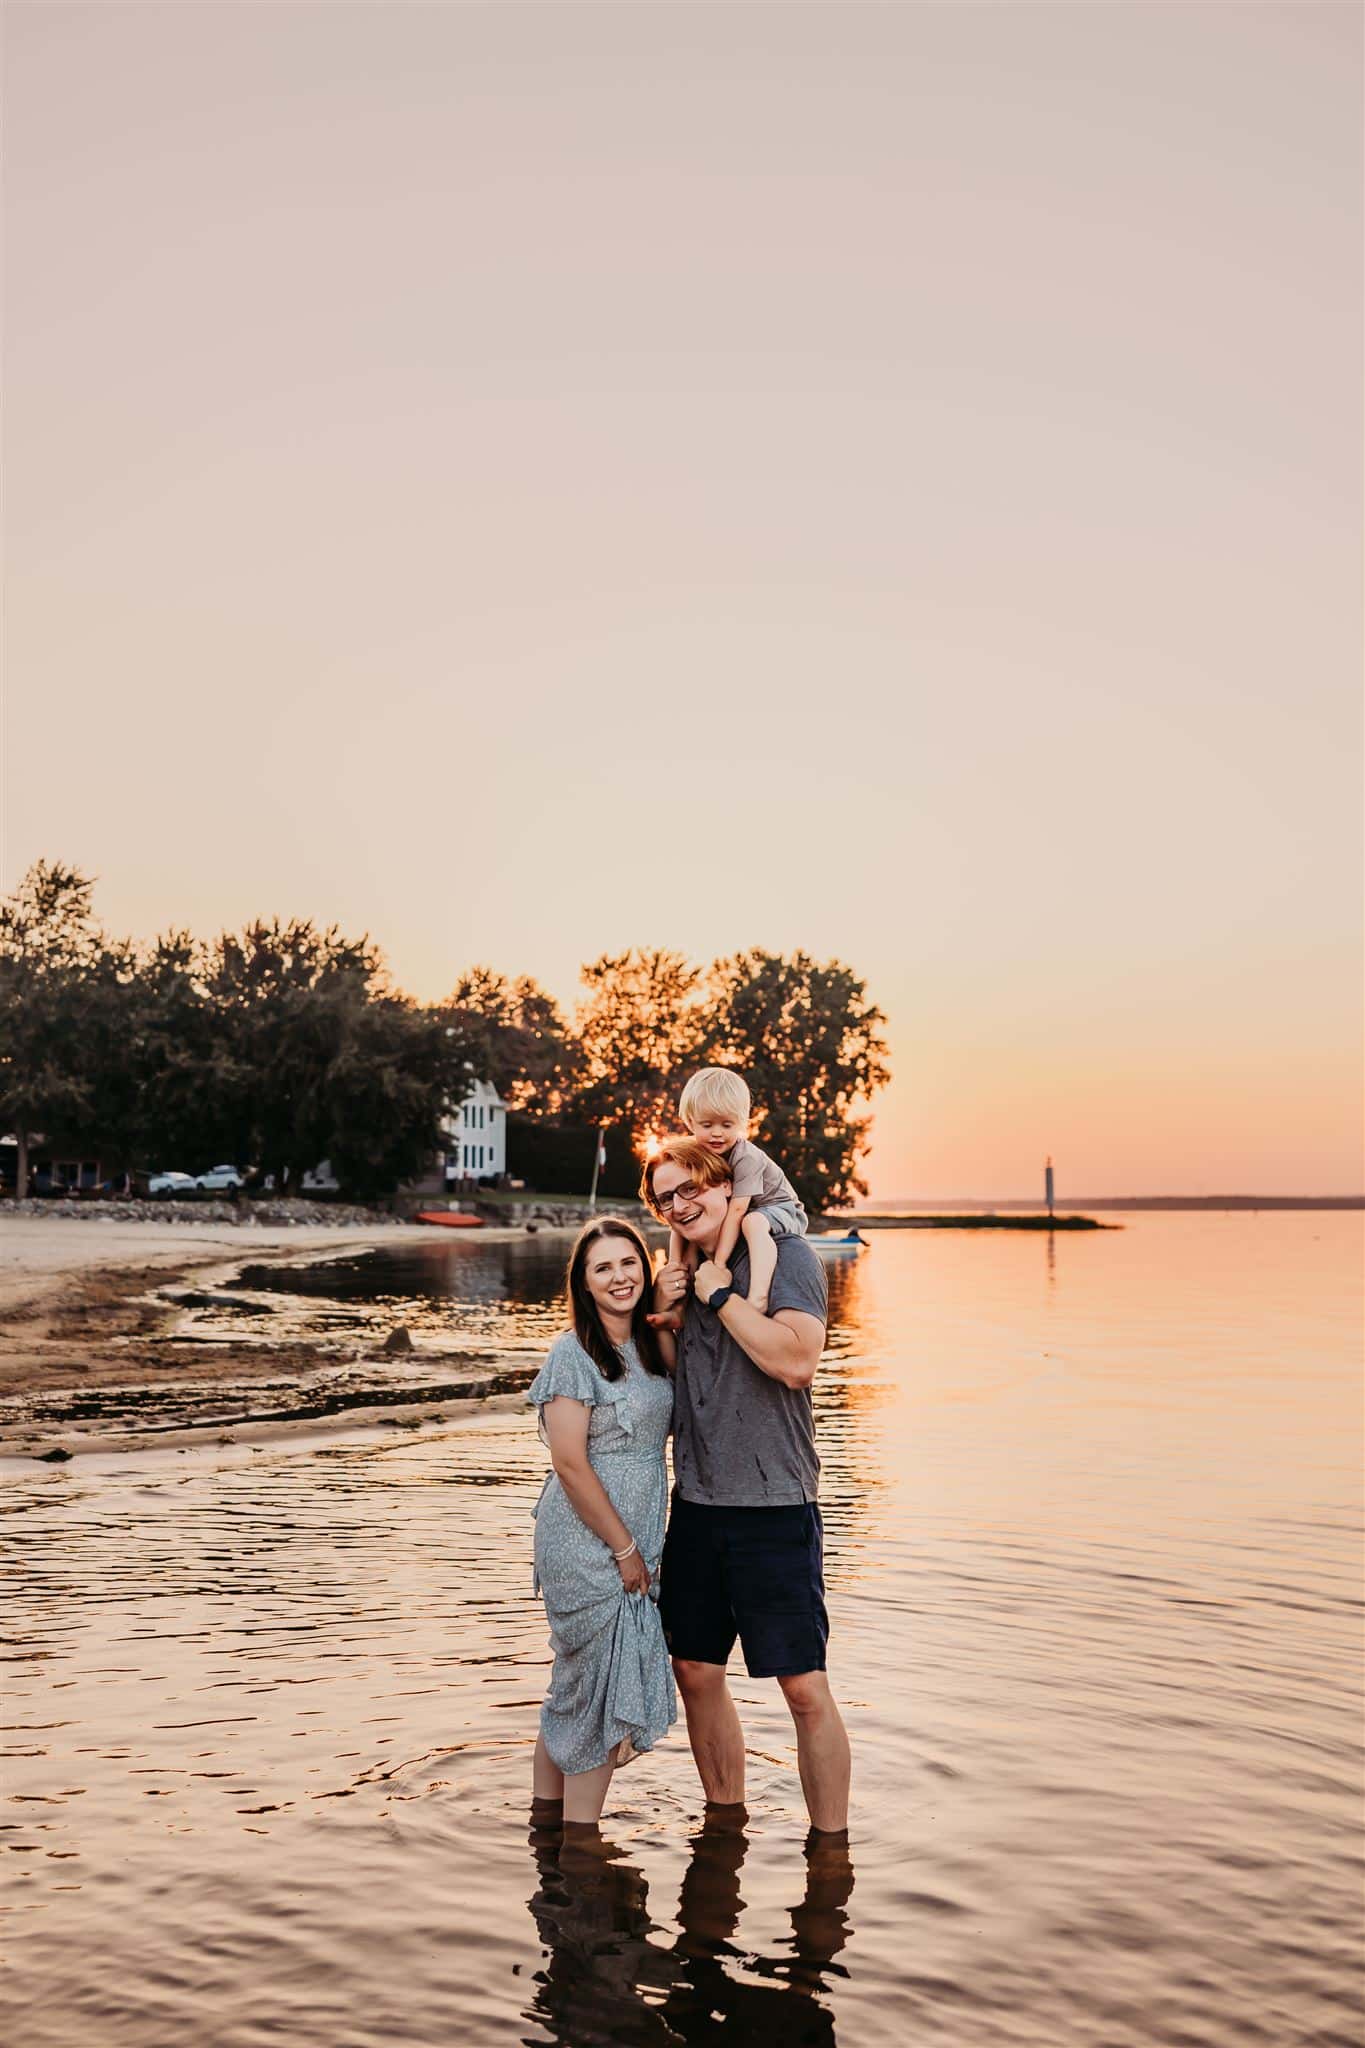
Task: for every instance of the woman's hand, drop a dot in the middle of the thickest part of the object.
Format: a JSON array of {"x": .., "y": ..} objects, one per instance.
[
  {"x": 671, "y": 1283},
  {"x": 634, "y": 1572}
]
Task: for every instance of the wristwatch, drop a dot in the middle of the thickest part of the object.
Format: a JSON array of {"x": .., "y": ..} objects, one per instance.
[{"x": 720, "y": 1297}]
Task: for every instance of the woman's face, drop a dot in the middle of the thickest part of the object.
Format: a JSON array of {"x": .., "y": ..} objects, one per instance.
[{"x": 613, "y": 1275}]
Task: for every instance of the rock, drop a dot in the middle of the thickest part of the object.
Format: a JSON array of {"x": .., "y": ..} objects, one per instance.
[
  {"x": 58, "y": 1455},
  {"x": 531, "y": 1229},
  {"x": 397, "y": 1342}
]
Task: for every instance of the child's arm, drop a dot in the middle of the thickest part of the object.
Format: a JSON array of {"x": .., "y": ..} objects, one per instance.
[{"x": 729, "y": 1230}]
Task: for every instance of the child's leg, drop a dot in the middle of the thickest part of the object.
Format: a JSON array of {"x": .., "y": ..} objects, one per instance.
[
  {"x": 762, "y": 1258},
  {"x": 680, "y": 1252}
]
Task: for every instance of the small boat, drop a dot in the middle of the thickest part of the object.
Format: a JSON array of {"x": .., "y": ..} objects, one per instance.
[
  {"x": 851, "y": 1241},
  {"x": 449, "y": 1219}
]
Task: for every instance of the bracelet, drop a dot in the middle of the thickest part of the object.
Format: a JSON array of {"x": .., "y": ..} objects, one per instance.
[{"x": 622, "y": 1555}]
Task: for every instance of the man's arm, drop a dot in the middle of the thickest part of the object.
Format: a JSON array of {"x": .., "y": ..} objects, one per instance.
[{"x": 786, "y": 1346}]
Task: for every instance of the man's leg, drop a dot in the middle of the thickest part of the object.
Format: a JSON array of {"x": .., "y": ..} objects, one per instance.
[
  {"x": 821, "y": 1749},
  {"x": 713, "y": 1730}
]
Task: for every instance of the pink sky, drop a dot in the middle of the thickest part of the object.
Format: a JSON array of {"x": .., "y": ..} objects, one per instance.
[{"x": 531, "y": 481}]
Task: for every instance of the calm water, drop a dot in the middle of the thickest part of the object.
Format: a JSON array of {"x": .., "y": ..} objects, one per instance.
[{"x": 1093, "y": 1523}]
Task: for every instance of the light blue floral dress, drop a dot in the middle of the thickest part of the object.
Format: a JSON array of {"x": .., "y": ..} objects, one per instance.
[{"x": 611, "y": 1675}]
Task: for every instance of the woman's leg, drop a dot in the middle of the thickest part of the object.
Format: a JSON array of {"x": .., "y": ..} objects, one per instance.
[
  {"x": 547, "y": 1780},
  {"x": 585, "y": 1793}
]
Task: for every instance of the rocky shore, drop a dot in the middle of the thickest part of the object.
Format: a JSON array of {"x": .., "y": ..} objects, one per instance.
[{"x": 97, "y": 1352}]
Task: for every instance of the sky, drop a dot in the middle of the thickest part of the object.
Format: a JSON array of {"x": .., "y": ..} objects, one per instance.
[{"x": 528, "y": 481}]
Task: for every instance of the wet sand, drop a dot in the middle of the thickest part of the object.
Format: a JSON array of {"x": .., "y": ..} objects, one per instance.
[{"x": 96, "y": 1310}]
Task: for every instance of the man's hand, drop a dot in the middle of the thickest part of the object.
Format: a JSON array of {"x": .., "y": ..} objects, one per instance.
[{"x": 710, "y": 1276}]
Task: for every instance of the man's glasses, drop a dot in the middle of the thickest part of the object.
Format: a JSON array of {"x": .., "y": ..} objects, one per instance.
[{"x": 686, "y": 1192}]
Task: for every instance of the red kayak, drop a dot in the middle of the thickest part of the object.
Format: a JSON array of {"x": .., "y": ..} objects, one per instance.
[{"x": 449, "y": 1219}]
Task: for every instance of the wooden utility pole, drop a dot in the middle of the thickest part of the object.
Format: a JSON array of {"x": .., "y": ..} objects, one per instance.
[{"x": 599, "y": 1160}]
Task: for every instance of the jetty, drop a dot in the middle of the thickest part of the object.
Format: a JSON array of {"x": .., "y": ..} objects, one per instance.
[{"x": 967, "y": 1220}]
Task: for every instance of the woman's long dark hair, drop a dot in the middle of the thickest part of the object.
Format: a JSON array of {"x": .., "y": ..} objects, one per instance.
[{"x": 583, "y": 1309}]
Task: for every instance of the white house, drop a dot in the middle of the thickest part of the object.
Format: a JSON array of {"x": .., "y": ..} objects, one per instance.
[{"x": 476, "y": 1136}]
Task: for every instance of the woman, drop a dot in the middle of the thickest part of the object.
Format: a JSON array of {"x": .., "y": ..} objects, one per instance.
[{"x": 606, "y": 1403}]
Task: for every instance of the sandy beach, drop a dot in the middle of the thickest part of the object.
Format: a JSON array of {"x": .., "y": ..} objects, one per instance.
[{"x": 96, "y": 1305}]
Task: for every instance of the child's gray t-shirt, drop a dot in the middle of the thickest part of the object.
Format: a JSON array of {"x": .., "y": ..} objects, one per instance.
[
  {"x": 740, "y": 1438},
  {"x": 757, "y": 1179}
]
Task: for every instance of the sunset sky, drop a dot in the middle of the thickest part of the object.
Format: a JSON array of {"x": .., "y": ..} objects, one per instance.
[{"x": 532, "y": 480}]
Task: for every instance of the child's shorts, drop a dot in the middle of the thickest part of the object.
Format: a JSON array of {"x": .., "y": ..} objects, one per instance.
[{"x": 785, "y": 1219}]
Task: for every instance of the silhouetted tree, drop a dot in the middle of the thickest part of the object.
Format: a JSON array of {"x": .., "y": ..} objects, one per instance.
[
  {"x": 50, "y": 947},
  {"x": 809, "y": 1044},
  {"x": 639, "y": 1029},
  {"x": 319, "y": 1059},
  {"x": 517, "y": 1037}
]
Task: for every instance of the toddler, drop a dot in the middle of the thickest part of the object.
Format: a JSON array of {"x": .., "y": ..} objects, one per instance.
[{"x": 715, "y": 1107}]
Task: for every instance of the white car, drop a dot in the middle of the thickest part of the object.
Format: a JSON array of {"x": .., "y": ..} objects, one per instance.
[
  {"x": 220, "y": 1177},
  {"x": 172, "y": 1184}
]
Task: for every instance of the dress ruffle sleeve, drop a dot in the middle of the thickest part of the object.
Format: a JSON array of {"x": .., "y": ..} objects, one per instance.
[{"x": 569, "y": 1372}]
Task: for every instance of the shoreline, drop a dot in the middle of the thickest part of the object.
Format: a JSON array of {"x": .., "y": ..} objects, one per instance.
[{"x": 88, "y": 1329}]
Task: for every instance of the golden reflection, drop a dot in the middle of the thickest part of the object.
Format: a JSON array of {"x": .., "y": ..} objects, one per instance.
[{"x": 605, "y": 1980}]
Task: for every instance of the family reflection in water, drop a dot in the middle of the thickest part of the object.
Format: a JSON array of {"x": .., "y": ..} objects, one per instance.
[{"x": 604, "y": 1978}]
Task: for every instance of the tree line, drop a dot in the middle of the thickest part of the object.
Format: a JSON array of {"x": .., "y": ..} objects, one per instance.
[{"x": 287, "y": 1043}]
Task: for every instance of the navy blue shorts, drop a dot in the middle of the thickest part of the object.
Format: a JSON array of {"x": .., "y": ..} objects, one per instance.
[{"x": 755, "y": 1573}]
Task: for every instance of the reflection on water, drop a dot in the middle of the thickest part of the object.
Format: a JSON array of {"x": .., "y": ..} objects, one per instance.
[
  {"x": 506, "y": 1294},
  {"x": 613, "y": 1974},
  {"x": 1093, "y": 1545}
]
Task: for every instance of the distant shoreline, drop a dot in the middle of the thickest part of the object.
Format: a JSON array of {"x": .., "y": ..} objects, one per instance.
[
  {"x": 963, "y": 1219},
  {"x": 899, "y": 1209}
]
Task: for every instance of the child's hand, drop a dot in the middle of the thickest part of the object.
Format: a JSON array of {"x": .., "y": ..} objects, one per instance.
[{"x": 709, "y": 1277}]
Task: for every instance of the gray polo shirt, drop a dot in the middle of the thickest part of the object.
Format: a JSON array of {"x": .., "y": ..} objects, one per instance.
[{"x": 741, "y": 1439}]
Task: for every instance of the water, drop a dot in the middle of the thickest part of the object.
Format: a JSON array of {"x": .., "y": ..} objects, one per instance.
[{"x": 1093, "y": 1521}]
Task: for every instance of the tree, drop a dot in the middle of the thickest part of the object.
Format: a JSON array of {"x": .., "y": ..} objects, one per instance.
[
  {"x": 313, "y": 1056},
  {"x": 288, "y": 998},
  {"x": 518, "y": 1039},
  {"x": 50, "y": 949},
  {"x": 809, "y": 1044},
  {"x": 640, "y": 1029},
  {"x": 386, "y": 1091},
  {"x": 189, "y": 1084}
]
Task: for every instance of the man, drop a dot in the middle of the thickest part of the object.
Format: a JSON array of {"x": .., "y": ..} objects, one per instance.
[{"x": 744, "y": 1551}]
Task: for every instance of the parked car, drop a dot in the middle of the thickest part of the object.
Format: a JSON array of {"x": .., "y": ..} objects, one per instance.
[
  {"x": 221, "y": 1178},
  {"x": 172, "y": 1183}
]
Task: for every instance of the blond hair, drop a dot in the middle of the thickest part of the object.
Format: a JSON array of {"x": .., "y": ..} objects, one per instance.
[
  {"x": 706, "y": 1167},
  {"x": 715, "y": 1088}
]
